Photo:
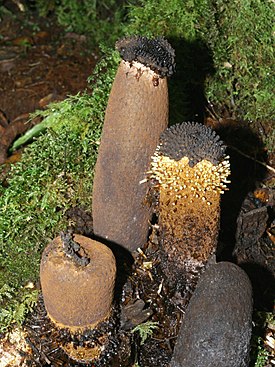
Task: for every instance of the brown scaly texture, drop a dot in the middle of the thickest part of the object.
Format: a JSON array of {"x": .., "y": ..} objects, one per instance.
[
  {"x": 67, "y": 287},
  {"x": 136, "y": 114},
  {"x": 189, "y": 171},
  {"x": 77, "y": 280}
]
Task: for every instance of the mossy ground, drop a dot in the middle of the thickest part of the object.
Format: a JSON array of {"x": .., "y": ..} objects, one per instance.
[{"x": 224, "y": 63}]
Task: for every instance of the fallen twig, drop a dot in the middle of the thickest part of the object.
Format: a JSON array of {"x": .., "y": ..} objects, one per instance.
[{"x": 253, "y": 159}]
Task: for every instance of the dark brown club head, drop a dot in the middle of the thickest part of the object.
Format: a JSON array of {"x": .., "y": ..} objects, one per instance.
[
  {"x": 155, "y": 53},
  {"x": 190, "y": 155},
  {"x": 192, "y": 140}
]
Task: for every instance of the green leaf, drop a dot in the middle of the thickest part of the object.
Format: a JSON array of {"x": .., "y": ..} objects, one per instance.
[{"x": 145, "y": 330}]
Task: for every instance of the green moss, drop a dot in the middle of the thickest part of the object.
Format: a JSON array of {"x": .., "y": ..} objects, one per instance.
[
  {"x": 11, "y": 309},
  {"x": 243, "y": 57},
  {"x": 237, "y": 39},
  {"x": 259, "y": 354},
  {"x": 175, "y": 18},
  {"x": 99, "y": 20}
]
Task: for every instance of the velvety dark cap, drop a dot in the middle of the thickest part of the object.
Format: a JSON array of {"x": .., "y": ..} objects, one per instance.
[
  {"x": 192, "y": 140},
  {"x": 155, "y": 53}
]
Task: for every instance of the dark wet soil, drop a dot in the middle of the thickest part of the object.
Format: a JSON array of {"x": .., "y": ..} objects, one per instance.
[{"x": 40, "y": 63}]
